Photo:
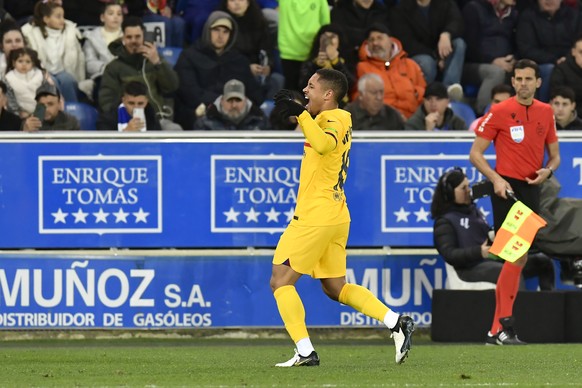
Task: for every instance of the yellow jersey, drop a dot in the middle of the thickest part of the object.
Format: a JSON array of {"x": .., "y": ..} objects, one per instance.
[{"x": 321, "y": 199}]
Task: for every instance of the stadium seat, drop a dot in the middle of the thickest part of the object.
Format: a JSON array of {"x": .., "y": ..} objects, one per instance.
[
  {"x": 455, "y": 283},
  {"x": 464, "y": 111},
  {"x": 170, "y": 54},
  {"x": 85, "y": 113},
  {"x": 470, "y": 90}
]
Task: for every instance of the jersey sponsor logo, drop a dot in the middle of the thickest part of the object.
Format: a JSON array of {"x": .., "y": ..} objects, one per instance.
[
  {"x": 517, "y": 133},
  {"x": 100, "y": 194}
]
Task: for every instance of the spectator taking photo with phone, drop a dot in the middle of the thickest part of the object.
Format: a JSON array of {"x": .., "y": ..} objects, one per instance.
[
  {"x": 134, "y": 114},
  {"x": 47, "y": 115}
]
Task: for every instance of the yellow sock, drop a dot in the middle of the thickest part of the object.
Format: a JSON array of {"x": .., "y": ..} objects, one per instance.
[
  {"x": 292, "y": 312},
  {"x": 362, "y": 299}
]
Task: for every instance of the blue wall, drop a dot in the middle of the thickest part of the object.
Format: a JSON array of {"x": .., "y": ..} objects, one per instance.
[{"x": 132, "y": 192}]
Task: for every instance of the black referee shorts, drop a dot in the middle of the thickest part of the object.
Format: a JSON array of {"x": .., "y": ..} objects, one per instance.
[{"x": 526, "y": 193}]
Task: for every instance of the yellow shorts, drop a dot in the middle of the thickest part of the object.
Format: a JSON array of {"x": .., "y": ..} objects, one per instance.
[{"x": 318, "y": 251}]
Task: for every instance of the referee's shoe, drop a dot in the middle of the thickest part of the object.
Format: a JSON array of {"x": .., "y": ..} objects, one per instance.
[
  {"x": 299, "y": 360},
  {"x": 402, "y": 334}
]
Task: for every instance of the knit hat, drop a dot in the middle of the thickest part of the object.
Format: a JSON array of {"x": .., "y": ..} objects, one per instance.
[
  {"x": 234, "y": 89},
  {"x": 378, "y": 27}
]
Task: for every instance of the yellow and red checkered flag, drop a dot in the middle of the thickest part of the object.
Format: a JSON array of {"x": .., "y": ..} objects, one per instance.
[{"x": 517, "y": 233}]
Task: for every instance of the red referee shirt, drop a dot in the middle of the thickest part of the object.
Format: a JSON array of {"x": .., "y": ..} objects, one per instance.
[{"x": 520, "y": 134}]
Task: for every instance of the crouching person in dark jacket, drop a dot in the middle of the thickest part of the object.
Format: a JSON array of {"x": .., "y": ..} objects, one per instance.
[
  {"x": 232, "y": 111},
  {"x": 134, "y": 114},
  {"x": 461, "y": 236}
]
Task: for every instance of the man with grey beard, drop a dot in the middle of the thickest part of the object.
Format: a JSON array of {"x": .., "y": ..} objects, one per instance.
[
  {"x": 404, "y": 83},
  {"x": 232, "y": 111}
]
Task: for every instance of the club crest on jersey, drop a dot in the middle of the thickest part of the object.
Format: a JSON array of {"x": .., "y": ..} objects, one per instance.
[{"x": 517, "y": 133}]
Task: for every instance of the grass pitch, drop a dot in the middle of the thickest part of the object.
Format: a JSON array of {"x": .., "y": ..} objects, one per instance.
[{"x": 245, "y": 363}]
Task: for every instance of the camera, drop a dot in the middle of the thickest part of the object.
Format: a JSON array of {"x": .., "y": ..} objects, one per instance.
[{"x": 482, "y": 189}]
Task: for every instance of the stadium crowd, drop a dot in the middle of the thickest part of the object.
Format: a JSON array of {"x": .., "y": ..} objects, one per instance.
[{"x": 436, "y": 62}]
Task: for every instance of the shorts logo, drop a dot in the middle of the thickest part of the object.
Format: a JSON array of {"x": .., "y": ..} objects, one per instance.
[
  {"x": 517, "y": 133},
  {"x": 99, "y": 194},
  {"x": 253, "y": 193}
]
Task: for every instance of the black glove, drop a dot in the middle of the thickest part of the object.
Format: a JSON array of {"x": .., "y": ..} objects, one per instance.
[{"x": 287, "y": 105}]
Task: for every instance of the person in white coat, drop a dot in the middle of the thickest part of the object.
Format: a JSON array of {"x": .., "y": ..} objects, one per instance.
[
  {"x": 97, "y": 53},
  {"x": 57, "y": 42}
]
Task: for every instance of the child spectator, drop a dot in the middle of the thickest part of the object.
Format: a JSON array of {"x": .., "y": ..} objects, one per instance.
[
  {"x": 24, "y": 76},
  {"x": 134, "y": 114},
  {"x": 97, "y": 53},
  {"x": 10, "y": 38},
  {"x": 327, "y": 53},
  {"x": 57, "y": 42}
]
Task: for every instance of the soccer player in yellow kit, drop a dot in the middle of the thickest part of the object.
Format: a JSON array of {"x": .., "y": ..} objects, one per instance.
[{"x": 314, "y": 242}]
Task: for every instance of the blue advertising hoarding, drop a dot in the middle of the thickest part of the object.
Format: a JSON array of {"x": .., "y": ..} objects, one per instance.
[
  {"x": 186, "y": 192},
  {"x": 43, "y": 291}
]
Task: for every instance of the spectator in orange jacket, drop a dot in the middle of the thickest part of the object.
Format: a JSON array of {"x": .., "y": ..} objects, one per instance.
[{"x": 404, "y": 82}]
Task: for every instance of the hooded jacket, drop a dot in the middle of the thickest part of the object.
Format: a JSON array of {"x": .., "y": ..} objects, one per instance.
[
  {"x": 161, "y": 79},
  {"x": 404, "y": 83},
  {"x": 203, "y": 73}
]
